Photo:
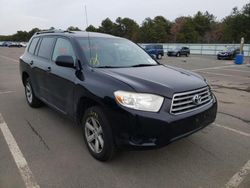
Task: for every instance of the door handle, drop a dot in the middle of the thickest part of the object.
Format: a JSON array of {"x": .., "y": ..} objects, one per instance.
[{"x": 48, "y": 69}]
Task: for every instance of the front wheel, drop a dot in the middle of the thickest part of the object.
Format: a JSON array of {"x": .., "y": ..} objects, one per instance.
[{"x": 97, "y": 134}]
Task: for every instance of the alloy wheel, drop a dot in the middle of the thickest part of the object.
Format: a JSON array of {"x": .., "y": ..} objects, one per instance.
[
  {"x": 94, "y": 134},
  {"x": 28, "y": 91}
]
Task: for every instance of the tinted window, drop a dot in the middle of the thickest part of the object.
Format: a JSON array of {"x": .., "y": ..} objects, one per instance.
[
  {"x": 46, "y": 47},
  {"x": 159, "y": 47},
  {"x": 63, "y": 47},
  {"x": 149, "y": 47},
  {"x": 32, "y": 46}
]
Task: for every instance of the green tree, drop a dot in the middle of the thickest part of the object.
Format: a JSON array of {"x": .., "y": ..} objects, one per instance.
[
  {"x": 72, "y": 28},
  {"x": 155, "y": 30},
  {"x": 203, "y": 24},
  {"x": 162, "y": 26},
  {"x": 127, "y": 28},
  {"x": 237, "y": 25},
  {"x": 92, "y": 28},
  {"x": 21, "y": 36},
  {"x": 32, "y": 32},
  {"x": 188, "y": 33},
  {"x": 147, "y": 31},
  {"x": 107, "y": 26}
]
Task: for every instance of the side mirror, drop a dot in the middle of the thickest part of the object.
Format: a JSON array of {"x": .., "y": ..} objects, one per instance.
[{"x": 65, "y": 61}]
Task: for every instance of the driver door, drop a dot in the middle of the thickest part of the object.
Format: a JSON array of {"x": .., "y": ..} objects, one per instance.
[{"x": 61, "y": 79}]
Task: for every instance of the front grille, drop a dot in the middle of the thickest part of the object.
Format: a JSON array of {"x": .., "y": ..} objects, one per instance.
[{"x": 191, "y": 100}]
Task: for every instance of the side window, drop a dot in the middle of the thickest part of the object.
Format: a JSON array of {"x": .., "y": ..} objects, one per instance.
[
  {"x": 32, "y": 46},
  {"x": 46, "y": 46},
  {"x": 63, "y": 47}
]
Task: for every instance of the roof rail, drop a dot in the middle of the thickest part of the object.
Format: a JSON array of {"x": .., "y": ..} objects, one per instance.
[{"x": 53, "y": 31}]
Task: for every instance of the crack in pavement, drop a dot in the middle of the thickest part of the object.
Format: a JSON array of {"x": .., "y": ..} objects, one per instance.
[
  {"x": 226, "y": 102},
  {"x": 244, "y": 120},
  {"x": 203, "y": 149},
  {"x": 214, "y": 90},
  {"x": 233, "y": 88},
  {"x": 39, "y": 136}
]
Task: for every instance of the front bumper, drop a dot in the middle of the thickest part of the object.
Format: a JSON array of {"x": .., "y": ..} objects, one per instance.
[
  {"x": 224, "y": 56},
  {"x": 143, "y": 130}
]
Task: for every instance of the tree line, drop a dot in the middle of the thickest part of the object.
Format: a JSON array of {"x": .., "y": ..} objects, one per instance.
[{"x": 199, "y": 28}]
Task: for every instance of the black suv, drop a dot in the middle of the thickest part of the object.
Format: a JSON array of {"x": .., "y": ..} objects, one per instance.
[
  {"x": 179, "y": 51},
  {"x": 230, "y": 53},
  {"x": 118, "y": 94}
]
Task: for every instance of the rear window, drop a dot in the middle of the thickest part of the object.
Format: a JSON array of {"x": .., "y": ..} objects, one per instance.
[
  {"x": 33, "y": 44},
  {"x": 46, "y": 47}
]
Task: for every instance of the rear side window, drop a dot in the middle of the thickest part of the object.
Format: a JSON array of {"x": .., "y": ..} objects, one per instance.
[
  {"x": 46, "y": 47},
  {"x": 32, "y": 46},
  {"x": 159, "y": 47},
  {"x": 149, "y": 47},
  {"x": 63, "y": 47}
]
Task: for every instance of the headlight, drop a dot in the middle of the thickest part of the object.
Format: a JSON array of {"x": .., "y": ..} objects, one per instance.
[{"x": 139, "y": 101}]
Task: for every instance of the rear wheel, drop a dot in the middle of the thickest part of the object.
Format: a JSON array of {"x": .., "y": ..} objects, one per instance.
[
  {"x": 32, "y": 100},
  {"x": 97, "y": 134},
  {"x": 159, "y": 56}
]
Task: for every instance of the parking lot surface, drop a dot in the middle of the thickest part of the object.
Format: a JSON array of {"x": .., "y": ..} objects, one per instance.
[{"x": 42, "y": 148}]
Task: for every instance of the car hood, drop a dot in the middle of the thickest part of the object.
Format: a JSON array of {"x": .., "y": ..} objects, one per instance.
[{"x": 161, "y": 80}]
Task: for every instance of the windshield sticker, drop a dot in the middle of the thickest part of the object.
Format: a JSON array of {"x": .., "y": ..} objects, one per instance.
[{"x": 94, "y": 60}]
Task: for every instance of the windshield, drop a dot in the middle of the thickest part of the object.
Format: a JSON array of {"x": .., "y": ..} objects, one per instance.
[{"x": 112, "y": 52}]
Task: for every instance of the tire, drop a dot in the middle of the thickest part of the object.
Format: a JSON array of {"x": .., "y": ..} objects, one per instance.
[
  {"x": 159, "y": 56},
  {"x": 178, "y": 54},
  {"x": 187, "y": 54},
  {"x": 32, "y": 100},
  {"x": 97, "y": 134}
]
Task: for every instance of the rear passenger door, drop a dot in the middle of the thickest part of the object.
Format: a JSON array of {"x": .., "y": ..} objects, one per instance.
[
  {"x": 42, "y": 66},
  {"x": 61, "y": 79},
  {"x": 29, "y": 59}
]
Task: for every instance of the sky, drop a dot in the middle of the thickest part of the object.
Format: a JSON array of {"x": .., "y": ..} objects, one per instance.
[{"x": 27, "y": 14}]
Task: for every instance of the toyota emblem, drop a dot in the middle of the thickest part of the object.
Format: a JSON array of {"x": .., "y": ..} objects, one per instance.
[{"x": 197, "y": 99}]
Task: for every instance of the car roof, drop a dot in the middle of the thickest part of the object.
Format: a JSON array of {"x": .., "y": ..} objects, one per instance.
[{"x": 74, "y": 34}]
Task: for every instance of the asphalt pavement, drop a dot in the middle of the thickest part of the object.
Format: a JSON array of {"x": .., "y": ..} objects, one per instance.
[{"x": 54, "y": 155}]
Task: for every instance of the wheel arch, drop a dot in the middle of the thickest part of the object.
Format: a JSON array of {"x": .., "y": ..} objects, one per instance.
[
  {"x": 25, "y": 75},
  {"x": 82, "y": 105}
]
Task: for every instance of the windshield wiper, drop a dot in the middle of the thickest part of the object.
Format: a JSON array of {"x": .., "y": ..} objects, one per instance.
[
  {"x": 138, "y": 65},
  {"x": 106, "y": 66},
  {"x": 144, "y": 65}
]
